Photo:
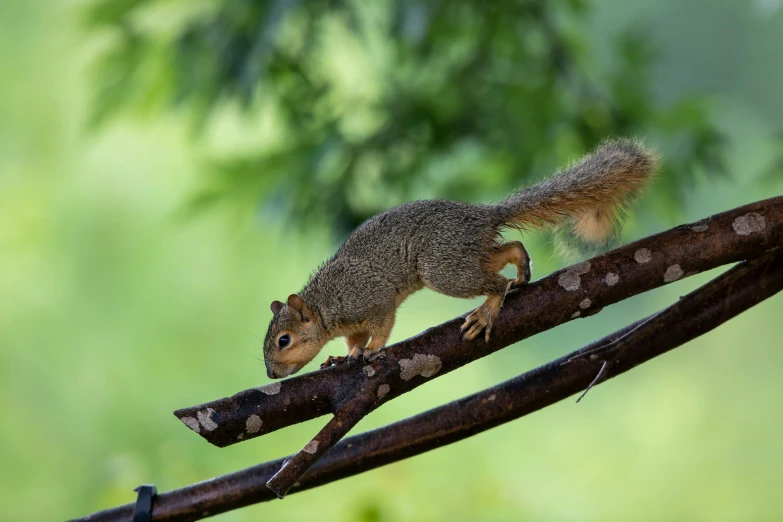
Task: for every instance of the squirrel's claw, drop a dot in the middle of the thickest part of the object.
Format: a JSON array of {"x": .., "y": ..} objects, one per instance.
[
  {"x": 608, "y": 354},
  {"x": 370, "y": 356},
  {"x": 332, "y": 361}
]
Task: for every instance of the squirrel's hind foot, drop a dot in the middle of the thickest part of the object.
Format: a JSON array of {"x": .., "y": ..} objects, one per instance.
[{"x": 482, "y": 318}]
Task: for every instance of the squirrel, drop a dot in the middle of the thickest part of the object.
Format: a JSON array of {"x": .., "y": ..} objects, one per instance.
[{"x": 451, "y": 247}]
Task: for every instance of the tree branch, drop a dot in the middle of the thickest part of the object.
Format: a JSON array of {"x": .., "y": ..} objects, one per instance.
[
  {"x": 697, "y": 313},
  {"x": 294, "y": 467},
  {"x": 576, "y": 291}
]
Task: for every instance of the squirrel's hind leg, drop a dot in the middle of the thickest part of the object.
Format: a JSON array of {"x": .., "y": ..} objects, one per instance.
[
  {"x": 484, "y": 316},
  {"x": 514, "y": 253}
]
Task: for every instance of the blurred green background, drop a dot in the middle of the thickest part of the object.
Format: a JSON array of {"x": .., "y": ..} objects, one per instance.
[{"x": 168, "y": 168}]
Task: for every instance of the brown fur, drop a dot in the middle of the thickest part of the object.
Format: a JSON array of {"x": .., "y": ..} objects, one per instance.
[
  {"x": 450, "y": 247},
  {"x": 588, "y": 196}
]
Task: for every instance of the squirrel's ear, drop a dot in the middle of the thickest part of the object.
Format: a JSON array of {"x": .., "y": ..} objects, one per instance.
[
  {"x": 276, "y": 306},
  {"x": 296, "y": 304}
]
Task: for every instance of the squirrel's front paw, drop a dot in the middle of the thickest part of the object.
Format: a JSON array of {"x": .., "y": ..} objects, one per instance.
[
  {"x": 332, "y": 361},
  {"x": 353, "y": 354}
]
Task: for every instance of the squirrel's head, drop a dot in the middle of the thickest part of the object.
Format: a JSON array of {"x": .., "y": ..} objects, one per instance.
[{"x": 294, "y": 338}]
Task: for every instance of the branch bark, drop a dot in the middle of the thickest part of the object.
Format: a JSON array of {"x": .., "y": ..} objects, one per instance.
[{"x": 697, "y": 313}]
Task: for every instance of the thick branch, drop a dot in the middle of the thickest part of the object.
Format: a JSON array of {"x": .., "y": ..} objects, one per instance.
[
  {"x": 577, "y": 291},
  {"x": 704, "y": 309}
]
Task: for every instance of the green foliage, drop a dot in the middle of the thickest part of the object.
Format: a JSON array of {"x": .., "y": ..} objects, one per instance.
[
  {"x": 376, "y": 103},
  {"x": 112, "y": 314}
]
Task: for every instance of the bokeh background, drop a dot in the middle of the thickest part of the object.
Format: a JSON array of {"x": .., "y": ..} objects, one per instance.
[{"x": 168, "y": 168}]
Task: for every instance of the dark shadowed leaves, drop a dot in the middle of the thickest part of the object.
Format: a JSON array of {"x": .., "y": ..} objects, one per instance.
[{"x": 376, "y": 103}]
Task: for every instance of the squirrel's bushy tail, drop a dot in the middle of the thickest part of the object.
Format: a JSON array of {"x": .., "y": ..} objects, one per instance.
[{"x": 589, "y": 196}]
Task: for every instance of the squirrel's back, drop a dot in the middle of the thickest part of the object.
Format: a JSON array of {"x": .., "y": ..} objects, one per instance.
[
  {"x": 588, "y": 197},
  {"x": 417, "y": 225},
  {"x": 398, "y": 251}
]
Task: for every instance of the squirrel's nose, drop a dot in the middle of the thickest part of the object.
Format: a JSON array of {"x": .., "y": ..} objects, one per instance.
[{"x": 271, "y": 373}]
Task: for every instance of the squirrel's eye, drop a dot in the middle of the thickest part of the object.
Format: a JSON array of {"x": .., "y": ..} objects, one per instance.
[{"x": 283, "y": 341}]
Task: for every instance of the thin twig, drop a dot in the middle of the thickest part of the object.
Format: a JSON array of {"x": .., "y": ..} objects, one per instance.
[
  {"x": 625, "y": 338},
  {"x": 595, "y": 381}
]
